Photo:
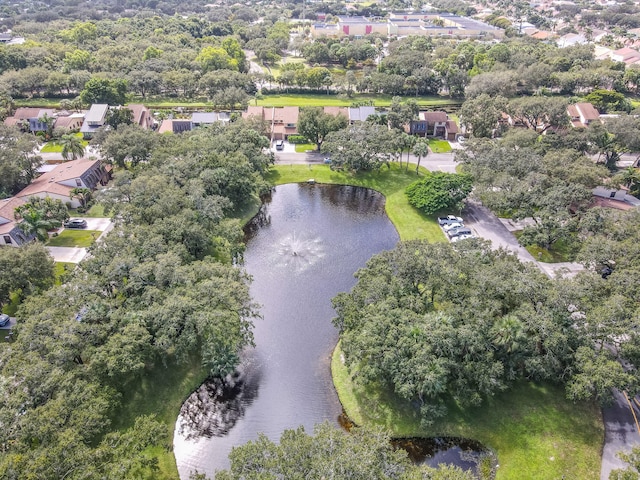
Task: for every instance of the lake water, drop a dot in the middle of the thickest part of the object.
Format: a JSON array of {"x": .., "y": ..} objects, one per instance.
[{"x": 302, "y": 249}]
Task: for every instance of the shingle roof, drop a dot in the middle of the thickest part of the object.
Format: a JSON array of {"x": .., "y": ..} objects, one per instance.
[
  {"x": 7, "y": 208},
  {"x": 48, "y": 182}
]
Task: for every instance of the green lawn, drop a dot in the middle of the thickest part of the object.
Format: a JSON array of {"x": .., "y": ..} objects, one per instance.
[
  {"x": 535, "y": 432},
  {"x": 321, "y": 100},
  {"x": 409, "y": 222},
  {"x": 74, "y": 238},
  {"x": 303, "y": 147},
  {"x": 439, "y": 146},
  {"x": 301, "y": 100},
  {"x": 161, "y": 392},
  {"x": 559, "y": 251},
  {"x": 14, "y": 301},
  {"x": 55, "y": 147},
  {"x": 96, "y": 211}
]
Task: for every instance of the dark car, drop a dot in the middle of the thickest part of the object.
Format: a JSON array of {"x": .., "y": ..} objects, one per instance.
[
  {"x": 75, "y": 223},
  {"x": 4, "y": 320},
  {"x": 280, "y": 145}
]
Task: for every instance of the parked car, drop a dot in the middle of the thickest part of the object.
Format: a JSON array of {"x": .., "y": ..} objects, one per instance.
[
  {"x": 327, "y": 160},
  {"x": 75, "y": 223},
  {"x": 449, "y": 219},
  {"x": 279, "y": 144},
  {"x": 452, "y": 226},
  {"x": 456, "y": 232},
  {"x": 4, "y": 320},
  {"x": 462, "y": 237}
]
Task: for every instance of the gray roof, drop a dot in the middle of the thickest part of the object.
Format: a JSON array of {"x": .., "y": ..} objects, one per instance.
[
  {"x": 97, "y": 112},
  {"x": 360, "y": 113},
  {"x": 615, "y": 194},
  {"x": 204, "y": 117}
]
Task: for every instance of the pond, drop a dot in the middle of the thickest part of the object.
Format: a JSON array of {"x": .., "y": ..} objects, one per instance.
[{"x": 302, "y": 249}]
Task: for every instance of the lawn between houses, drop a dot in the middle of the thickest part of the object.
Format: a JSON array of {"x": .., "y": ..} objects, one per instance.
[{"x": 532, "y": 428}]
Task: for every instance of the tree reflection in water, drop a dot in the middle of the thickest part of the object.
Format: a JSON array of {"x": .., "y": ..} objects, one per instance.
[{"x": 215, "y": 407}]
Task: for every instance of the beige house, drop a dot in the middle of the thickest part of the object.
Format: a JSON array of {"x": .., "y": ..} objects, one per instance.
[
  {"x": 582, "y": 114},
  {"x": 282, "y": 121},
  {"x": 58, "y": 182}
]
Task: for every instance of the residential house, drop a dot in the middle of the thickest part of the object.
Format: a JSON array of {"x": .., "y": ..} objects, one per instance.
[
  {"x": 10, "y": 233},
  {"x": 582, "y": 114},
  {"x": 30, "y": 119},
  {"x": 69, "y": 122},
  {"x": 198, "y": 119},
  {"x": 615, "y": 198},
  {"x": 626, "y": 55},
  {"x": 201, "y": 119},
  {"x": 360, "y": 114},
  {"x": 408, "y": 23},
  {"x": 58, "y": 182},
  {"x": 335, "y": 111},
  {"x": 282, "y": 121},
  {"x": 571, "y": 39},
  {"x": 95, "y": 118},
  {"x": 141, "y": 115},
  {"x": 434, "y": 124}
]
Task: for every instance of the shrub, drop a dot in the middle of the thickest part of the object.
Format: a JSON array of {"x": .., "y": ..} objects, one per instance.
[{"x": 296, "y": 139}]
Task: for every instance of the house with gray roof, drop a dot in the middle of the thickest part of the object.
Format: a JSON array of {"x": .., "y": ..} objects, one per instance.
[{"x": 95, "y": 118}]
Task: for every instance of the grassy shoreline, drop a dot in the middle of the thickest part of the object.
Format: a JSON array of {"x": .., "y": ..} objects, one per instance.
[
  {"x": 409, "y": 222},
  {"x": 505, "y": 424},
  {"x": 532, "y": 428}
]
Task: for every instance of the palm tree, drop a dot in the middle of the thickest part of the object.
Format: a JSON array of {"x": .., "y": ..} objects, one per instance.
[
  {"x": 48, "y": 123},
  {"x": 630, "y": 178},
  {"x": 420, "y": 150},
  {"x": 72, "y": 147},
  {"x": 82, "y": 194},
  {"x": 33, "y": 223}
]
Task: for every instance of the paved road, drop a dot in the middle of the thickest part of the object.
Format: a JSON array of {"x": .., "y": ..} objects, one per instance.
[
  {"x": 620, "y": 433},
  {"x": 67, "y": 254},
  {"x": 434, "y": 161},
  {"x": 486, "y": 225}
]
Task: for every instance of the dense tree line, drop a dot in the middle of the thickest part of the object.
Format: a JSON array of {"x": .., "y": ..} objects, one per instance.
[
  {"x": 160, "y": 289},
  {"x": 330, "y": 453},
  {"x": 432, "y": 323}
]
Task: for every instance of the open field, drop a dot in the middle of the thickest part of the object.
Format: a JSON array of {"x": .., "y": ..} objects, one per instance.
[{"x": 282, "y": 100}]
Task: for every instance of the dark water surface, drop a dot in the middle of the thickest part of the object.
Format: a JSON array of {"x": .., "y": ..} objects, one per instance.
[{"x": 302, "y": 250}]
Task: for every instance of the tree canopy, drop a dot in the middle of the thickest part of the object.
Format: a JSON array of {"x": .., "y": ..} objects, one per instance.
[{"x": 439, "y": 191}]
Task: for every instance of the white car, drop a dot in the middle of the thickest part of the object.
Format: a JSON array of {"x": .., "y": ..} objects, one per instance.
[
  {"x": 451, "y": 226},
  {"x": 449, "y": 219},
  {"x": 462, "y": 237}
]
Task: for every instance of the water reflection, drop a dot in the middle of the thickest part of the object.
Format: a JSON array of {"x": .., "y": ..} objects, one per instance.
[
  {"x": 215, "y": 407},
  {"x": 302, "y": 249},
  {"x": 464, "y": 453}
]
